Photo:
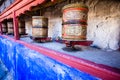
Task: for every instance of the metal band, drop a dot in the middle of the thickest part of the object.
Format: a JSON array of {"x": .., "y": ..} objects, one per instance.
[
  {"x": 40, "y": 27},
  {"x": 10, "y": 27},
  {"x": 75, "y": 22}
]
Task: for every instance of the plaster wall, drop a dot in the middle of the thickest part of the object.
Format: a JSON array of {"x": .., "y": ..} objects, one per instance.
[
  {"x": 103, "y": 22},
  {"x": 28, "y": 26}
]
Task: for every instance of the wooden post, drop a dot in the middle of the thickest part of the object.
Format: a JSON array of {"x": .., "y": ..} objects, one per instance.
[
  {"x": 1, "y": 28},
  {"x": 16, "y": 29}
]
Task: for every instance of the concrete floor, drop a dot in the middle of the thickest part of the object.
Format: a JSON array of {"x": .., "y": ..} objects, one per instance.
[{"x": 109, "y": 58}]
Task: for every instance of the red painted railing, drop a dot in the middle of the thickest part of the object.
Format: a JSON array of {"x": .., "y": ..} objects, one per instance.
[{"x": 19, "y": 6}]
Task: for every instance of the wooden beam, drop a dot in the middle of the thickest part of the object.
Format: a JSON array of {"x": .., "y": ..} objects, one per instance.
[
  {"x": 1, "y": 28},
  {"x": 47, "y": 4},
  {"x": 16, "y": 28}
]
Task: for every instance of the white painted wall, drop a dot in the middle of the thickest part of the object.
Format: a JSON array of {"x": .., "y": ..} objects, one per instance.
[
  {"x": 28, "y": 26},
  {"x": 103, "y": 22},
  {"x": 104, "y": 33}
]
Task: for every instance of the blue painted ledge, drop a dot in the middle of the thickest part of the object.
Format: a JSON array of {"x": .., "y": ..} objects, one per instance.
[{"x": 26, "y": 64}]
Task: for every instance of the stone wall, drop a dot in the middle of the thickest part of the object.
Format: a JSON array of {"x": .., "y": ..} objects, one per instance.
[
  {"x": 28, "y": 26},
  {"x": 54, "y": 14},
  {"x": 103, "y": 22}
]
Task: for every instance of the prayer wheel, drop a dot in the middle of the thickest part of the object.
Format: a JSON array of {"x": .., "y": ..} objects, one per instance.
[
  {"x": 4, "y": 28},
  {"x": 74, "y": 21},
  {"x": 10, "y": 28},
  {"x": 40, "y": 26},
  {"x": 21, "y": 25}
]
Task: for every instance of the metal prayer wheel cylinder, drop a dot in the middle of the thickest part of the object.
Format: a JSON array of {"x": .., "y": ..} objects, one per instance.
[
  {"x": 10, "y": 28},
  {"x": 40, "y": 26},
  {"x": 4, "y": 28},
  {"x": 74, "y": 21},
  {"x": 21, "y": 25}
]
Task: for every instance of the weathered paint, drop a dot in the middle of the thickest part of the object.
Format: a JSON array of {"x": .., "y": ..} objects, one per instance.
[
  {"x": 101, "y": 71},
  {"x": 19, "y": 6},
  {"x": 3, "y": 70},
  {"x": 28, "y": 64}
]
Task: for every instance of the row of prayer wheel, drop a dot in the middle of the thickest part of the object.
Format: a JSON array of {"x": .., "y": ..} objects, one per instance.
[
  {"x": 7, "y": 27},
  {"x": 39, "y": 29},
  {"x": 74, "y": 23}
]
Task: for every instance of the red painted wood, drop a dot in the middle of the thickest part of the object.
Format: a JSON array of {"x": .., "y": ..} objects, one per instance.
[
  {"x": 26, "y": 6},
  {"x": 7, "y": 13},
  {"x": 98, "y": 70},
  {"x": 47, "y": 39},
  {"x": 73, "y": 43},
  {"x": 19, "y": 6},
  {"x": 1, "y": 28},
  {"x": 16, "y": 28}
]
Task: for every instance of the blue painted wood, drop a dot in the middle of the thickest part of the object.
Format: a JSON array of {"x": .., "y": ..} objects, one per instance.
[
  {"x": 3, "y": 71},
  {"x": 28, "y": 64}
]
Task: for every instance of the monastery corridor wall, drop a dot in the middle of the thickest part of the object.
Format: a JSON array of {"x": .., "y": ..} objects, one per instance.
[{"x": 103, "y": 22}]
